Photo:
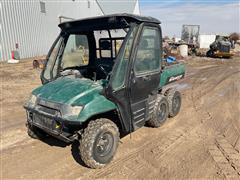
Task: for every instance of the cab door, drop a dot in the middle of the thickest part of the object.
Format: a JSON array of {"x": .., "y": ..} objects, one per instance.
[
  {"x": 145, "y": 73},
  {"x": 136, "y": 75},
  {"x": 118, "y": 89}
]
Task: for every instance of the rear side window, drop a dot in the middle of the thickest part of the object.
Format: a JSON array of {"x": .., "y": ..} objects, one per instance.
[
  {"x": 109, "y": 43},
  {"x": 148, "y": 53}
]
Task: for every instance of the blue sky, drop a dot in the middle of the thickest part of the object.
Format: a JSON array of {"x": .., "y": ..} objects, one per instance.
[{"x": 213, "y": 16}]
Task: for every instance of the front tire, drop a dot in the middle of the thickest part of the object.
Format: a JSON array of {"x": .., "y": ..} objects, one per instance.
[
  {"x": 160, "y": 112},
  {"x": 99, "y": 143}
]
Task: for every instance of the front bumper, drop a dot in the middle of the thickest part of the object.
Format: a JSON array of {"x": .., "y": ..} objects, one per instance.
[{"x": 53, "y": 125}]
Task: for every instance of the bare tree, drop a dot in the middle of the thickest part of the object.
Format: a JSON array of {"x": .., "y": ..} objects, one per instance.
[{"x": 234, "y": 36}]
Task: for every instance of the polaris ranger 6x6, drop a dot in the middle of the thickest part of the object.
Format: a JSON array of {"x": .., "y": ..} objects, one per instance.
[{"x": 102, "y": 80}]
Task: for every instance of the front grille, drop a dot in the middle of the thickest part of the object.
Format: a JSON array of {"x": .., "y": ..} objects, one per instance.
[{"x": 43, "y": 121}]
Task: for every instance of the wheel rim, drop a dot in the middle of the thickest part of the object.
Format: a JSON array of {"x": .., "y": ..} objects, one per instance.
[
  {"x": 162, "y": 111},
  {"x": 176, "y": 104},
  {"x": 104, "y": 144}
]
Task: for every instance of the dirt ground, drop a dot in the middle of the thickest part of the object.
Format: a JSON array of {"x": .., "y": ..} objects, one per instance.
[{"x": 202, "y": 142}]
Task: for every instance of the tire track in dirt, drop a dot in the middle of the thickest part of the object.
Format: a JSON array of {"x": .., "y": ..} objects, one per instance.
[
  {"x": 210, "y": 88},
  {"x": 229, "y": 152},
  {"x": 226, "y": 158},
  {"x": 223, "y": 153},
  {"x": 127, "y": 165},
  {"x": 199, "y": 109},
  {"x": 145, "y": 158},
  {"x": 198, "y": 82}
]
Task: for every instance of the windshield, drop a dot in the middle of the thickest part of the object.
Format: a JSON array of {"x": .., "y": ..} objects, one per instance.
[
  {"x": 88, "y": 55},
  {"x": 76, "y": 52}
]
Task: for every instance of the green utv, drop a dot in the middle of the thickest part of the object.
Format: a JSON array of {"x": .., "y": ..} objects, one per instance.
[{"x": 102, "y": 80}]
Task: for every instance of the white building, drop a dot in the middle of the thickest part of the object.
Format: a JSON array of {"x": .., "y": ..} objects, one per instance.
[
  {"x": 30, "y": 26},
  {"x": 205, "y": 40}
]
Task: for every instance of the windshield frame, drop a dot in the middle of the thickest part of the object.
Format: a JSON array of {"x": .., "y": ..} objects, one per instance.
[
  {"x": 63, "y": 36},
  {"x": 43, "y": 79}
]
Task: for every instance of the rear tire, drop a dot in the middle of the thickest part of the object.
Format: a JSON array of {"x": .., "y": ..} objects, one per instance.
[
  {"x": 174, "y": 100},
  {"x": 99, "y": 143},
  {"x": 160, "y": 112},
  {"x": 35, "y": 132}
]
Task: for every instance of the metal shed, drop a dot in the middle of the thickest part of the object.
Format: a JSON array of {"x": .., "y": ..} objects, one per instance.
[{"x": 30, "y": 27}]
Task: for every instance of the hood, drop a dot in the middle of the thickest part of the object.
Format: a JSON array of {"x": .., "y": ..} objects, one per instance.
[{"x": 69, "y": 90}]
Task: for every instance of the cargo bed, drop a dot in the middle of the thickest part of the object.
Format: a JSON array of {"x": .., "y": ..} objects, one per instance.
[{"x": 171, "y": 73}]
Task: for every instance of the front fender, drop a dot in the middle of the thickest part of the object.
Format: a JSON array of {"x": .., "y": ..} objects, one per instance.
[{"x": 97, "y": 106}]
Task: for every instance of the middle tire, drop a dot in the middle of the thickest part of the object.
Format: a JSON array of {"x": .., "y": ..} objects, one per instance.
[
  {"x": 99, "y": 143},
  {"x": 160, "y": 112}
]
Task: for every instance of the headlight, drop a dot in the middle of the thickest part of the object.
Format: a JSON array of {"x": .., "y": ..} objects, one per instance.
[
  {"x": 74, "y": 110},
  {"x": 32, "y": 100}
]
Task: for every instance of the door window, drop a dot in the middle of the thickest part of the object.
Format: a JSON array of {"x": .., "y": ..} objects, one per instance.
[
  {"x": 148, "y": 53},
  {"x": 119, "y": 76}
]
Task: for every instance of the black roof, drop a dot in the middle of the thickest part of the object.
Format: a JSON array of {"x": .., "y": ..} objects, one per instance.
[{"x": 112, "y": 21}]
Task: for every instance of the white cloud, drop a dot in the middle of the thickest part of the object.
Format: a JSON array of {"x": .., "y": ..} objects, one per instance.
[{"x": 212, "y": 18}]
